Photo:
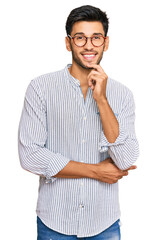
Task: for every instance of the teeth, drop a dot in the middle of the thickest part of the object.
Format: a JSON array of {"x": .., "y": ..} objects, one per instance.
[{"x": 89, "y": 56}]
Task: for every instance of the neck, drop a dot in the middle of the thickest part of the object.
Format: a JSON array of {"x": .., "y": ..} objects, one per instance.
[{"x": 79, "y": 73}]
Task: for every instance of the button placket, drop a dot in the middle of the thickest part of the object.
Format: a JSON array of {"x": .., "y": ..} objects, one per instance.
[{"x": 82, "y": 154}]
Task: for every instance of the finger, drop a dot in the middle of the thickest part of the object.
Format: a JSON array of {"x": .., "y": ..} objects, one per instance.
[
  {"x": 93, "y": 78},
  {"x": 125, "y": 173},
  {"x": 120, "y": 177},
  {"x": 96, "y": 76},
  {"x": 132, "y": 167},
  {"x": 92, "y": 87},
  {"x": 95, "y": 66},
  {"x": 92, "y": 74},
  {"x": 98, "y": 72}
]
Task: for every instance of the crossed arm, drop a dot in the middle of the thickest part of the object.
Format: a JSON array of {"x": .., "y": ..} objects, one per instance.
[{"x": 105, "y": 171}]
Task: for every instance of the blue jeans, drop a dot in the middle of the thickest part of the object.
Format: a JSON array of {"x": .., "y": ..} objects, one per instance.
[{"x": 45, "y": 233}]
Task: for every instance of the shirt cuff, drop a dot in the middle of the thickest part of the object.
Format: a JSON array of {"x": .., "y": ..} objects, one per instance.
[
  {"x": 104, "y": 144},
  {"x": 60, "y": 163}
]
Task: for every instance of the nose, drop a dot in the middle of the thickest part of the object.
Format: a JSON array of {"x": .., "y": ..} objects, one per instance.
[{"x": 88, "y": 44}]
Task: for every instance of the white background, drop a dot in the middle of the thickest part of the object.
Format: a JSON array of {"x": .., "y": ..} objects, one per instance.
[{"x": 32, "y": 43}]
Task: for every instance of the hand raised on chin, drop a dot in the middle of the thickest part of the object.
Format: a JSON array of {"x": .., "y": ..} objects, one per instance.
[{"x": 97, "y": 81}]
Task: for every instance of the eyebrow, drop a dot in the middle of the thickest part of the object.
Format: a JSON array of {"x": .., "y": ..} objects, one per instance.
[{"x": 81, "y": 33}]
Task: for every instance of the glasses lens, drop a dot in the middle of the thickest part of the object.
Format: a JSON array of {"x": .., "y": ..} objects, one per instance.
[
  {"x": 98, "y": 41},
  {"x": 79, "y": 40}
]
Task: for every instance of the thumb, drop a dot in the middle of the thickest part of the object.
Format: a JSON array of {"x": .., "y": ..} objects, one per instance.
[{"x": 132, "y": 167}]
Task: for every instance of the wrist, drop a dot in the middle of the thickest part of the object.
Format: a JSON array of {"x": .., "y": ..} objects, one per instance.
[
  {"x": 101, "y": 102},
  {"x": 92, "y": 173}
]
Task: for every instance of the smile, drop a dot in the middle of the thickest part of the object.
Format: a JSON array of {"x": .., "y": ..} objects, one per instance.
[{"x": 89, "y": 56}]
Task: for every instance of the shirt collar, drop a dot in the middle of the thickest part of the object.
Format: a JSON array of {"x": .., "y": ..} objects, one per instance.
[{"x": 75, "y": 82}]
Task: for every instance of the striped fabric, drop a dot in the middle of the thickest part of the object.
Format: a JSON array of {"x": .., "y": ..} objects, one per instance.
[{"x": 57, "y": 125}]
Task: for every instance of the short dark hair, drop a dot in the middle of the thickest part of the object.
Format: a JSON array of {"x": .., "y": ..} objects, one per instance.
[{"x": 86, "y": 13}]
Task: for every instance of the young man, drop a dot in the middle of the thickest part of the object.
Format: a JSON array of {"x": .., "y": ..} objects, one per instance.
[{"x": 77, "y": 132}]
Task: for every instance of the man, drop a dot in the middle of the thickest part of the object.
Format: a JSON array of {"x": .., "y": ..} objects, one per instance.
[{"x": 77, "y": 132}]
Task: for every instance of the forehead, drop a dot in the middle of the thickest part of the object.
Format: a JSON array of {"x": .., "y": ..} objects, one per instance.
[{"x": 88, "y": 28}]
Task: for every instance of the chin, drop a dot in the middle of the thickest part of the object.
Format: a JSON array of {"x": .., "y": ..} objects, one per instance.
[{"x": 84, "y": 65}]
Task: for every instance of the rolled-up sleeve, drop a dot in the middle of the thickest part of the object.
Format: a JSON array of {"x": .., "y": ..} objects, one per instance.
[
  {"x": 32, "y": 137},
  {"x": 125, "y": 150}
]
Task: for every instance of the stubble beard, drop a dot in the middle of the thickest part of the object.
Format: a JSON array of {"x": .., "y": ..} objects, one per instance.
[{"x": 80, "y": 63}]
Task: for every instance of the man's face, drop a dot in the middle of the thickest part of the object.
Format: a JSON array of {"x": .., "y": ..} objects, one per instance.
[{"x": 88, "y": 53}]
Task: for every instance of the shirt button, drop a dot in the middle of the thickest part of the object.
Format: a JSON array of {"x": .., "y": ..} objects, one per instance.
[
  {"x": 83, "y": 140},
  {"x": 85, "y": 118},
  {"x": 81, "y": 183},
  {"x": 81, "y": 206},
  {"x": 81, "y": 95},
  {"x": 48, "y": 180}
]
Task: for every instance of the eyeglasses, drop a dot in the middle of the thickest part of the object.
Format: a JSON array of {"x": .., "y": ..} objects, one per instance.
[{"x": 80, "y": 41}]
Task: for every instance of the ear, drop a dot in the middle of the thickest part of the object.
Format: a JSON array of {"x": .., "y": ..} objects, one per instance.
[
  {"x": 67, "y": 43},
  {"x": 106, "y": 44}
]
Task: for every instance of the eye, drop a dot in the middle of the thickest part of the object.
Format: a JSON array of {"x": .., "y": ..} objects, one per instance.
[
  {"x": 79, "y": 37},
  {"x": 96, "y": 37}
]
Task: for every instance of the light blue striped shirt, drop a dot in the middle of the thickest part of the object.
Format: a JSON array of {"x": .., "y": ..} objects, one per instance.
[{"x": 57, "y": 125}]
